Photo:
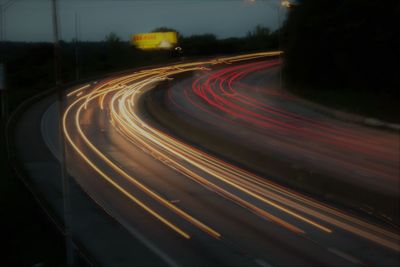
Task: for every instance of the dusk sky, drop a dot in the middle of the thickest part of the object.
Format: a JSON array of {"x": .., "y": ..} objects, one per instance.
[{"x": 30, "y": 20}]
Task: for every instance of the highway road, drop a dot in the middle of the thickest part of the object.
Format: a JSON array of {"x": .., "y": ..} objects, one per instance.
[
  {"x": 191, "y": 208},
  {"x": 244, "y": 103}
]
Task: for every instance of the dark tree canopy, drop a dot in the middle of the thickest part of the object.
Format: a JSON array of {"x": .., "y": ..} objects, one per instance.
[
  {"x": 112, "y": 38},
  {"x": 343, "y": 44}
]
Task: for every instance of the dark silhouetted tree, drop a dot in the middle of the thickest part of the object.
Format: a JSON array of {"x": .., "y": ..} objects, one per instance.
[{"x": 343, "y": 44}]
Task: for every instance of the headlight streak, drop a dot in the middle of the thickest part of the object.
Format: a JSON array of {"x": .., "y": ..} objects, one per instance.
[
  {"x": 130, "y": 131},
  {"x": 135, "y": 181},
  {"x": 111, "y": 181},
  {"x": 166, "y": 148},
  {"x": 136, "y": 128},
  {"x": 323, "y": 213},
  {"x": 93, "y": 95},
  {"x": 340, "y": 137},
  {"x": 137, "y": 125},
  {"x": 335, "y": 222},
  {"x": 228, "y": 102},
  {"x": 79, "y": 90},
  {"x": 276, "y": 190}
]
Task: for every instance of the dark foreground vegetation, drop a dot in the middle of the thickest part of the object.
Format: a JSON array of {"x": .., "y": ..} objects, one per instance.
[{"x": 344, "y": 54}]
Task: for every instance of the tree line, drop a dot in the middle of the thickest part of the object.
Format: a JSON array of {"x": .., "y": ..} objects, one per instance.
[{"x": 30, "y": 66}]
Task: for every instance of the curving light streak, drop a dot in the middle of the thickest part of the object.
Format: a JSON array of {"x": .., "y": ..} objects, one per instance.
[
  {"x": 224, "y": 171},
  {"x": 78, "y": 91},
  {"x": 112, "y": 182},
  {"x": 120, "y": 95},
  {"x": 217, "y": 91}
]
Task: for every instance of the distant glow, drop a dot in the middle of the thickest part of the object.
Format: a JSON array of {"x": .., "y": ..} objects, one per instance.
[{"x": 286, "y": 3}]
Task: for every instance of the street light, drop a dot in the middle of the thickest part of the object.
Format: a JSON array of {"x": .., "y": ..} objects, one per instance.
[
  {"x": 3, "y": 87},
  {"x": 283, "y": 4},
  {"x": 286, "y": 3},
  {"x": 3, "y": 9},
  {"x": 70, "y": 257}
]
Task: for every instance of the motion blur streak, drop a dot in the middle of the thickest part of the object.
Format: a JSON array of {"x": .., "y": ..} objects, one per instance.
[
  {"x": 140, "y": 185},
  {"x": 119, "y": 98},
  {"x": 113, "y": 183}
]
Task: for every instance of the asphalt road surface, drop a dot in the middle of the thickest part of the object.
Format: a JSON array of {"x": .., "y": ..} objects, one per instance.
[{"x": 190, "y": 208}]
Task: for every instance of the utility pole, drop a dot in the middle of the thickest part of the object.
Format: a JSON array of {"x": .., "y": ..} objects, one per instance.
[
  {"x": 3, "y": 81},
  {"x": 280, "y": 47},
  {"x": 70, "y": 257},
  {"x": 3, "y": 94},
  {"x": 1, "y": 22},
  {"x": 284, "y": 4},
  {"x": 77, "y": 37},
  {"x": 3, "y": 115},
  {"x": 56, "y": 43},
  {"x": 3, "y": 9}
]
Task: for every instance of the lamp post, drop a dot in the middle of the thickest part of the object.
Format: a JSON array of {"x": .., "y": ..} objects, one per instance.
[
  {"x": 70, "y": 257},
  {"x": 3, "y": 9},
  {"x": 3, "y": 92},
  {"x": 279, "y": 7},
  {"x": 77, "y": 52},
  {"x": 283, "y": 4}
]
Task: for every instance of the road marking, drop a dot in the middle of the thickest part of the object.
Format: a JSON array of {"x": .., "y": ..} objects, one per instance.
[
  {"x": 263, "y": 263},
  {"x": 150, "y": 245},
  {"x": 346, "y": 256}
]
